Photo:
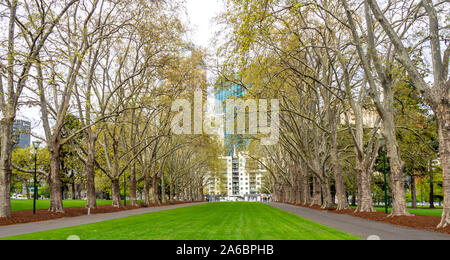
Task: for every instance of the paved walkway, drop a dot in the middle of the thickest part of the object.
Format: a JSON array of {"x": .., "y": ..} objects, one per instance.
[
  {"x": 21, "y": 229},
  {"x": 360, "y": 227}
]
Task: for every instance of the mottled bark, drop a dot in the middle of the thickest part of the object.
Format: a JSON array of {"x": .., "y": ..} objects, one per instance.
[
  {"x": 15, "y": 85},
  {"x": 276, "y": 192},
  {"x": 115, "y": 193},
  {"x": 176, "y": 193},
  {"x": 132, "y": 184},
  {"x": 28, "y": 189},
  {"x": 171, "y": 192},
  {"x": 287, "y": 192},
  {"x": 155, "y": 189},
  {"x": 365, "y": 199},
  {"x": 342, "y": 202},
  {"x": 163, "y": 188},
  {"x": 306, "y": 189},
  {"x": 317, "y": 194},
  {"x": 5, "y": 166},
  {"x": 90, "y": 174},
  {"x": 437, "y": 96},
  {"x": 399, "y": 207},
  {"x": 327, "y": 202},
  {"x": 56, "y": 202},
  {"x": 147, "y": 186},
  {"x": 298, "y": 192},
  {"x": 9, "y": 114},
  {"x": 202, "y": 194},
  {"x": 444, "y": 149}
]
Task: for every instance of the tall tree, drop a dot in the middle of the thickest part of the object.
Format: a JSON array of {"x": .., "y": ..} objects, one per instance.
[{"x": 36, "y": 21}]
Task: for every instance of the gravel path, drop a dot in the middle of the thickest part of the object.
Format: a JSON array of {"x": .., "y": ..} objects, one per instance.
[
  {"x": 21, "y": 229},
  {"x": 360, "y": 227}
]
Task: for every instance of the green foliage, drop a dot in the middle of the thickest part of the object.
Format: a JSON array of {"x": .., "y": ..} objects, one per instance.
[{"x": 24, "y": 159}]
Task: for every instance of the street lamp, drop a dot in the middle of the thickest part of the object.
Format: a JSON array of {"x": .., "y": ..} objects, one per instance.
[
  {"x": 386, "y": 199},
  {"x": 36, "y": 145}
]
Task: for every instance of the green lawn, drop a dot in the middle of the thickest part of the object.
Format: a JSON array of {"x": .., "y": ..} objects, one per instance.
[
  {"x": 418, "y": 211},
  {"x": 425, "y": 212},
  {"x": 215, "y": 221},
  {"x": 19, "y": 205}
]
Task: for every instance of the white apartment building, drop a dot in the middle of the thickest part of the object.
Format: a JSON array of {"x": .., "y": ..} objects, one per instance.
[
  {"x": 214, "y": 185},
  {"x": 244, "y": 179},
  {"x": 370, "y": 118}
]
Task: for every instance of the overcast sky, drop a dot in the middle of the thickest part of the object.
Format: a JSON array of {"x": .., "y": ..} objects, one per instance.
[{"x": 200, "y": 14}]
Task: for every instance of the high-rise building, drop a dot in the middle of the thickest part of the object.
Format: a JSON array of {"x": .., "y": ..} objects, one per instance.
[
  {"x": 243, "y": 178},
  {"x": 22, "y": 133},
  {"x": 224, "y": 91}
]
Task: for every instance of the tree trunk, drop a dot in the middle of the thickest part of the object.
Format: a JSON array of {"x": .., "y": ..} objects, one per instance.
[
  {"x": 444, "y": 149},
  {"x": 327, "y": 202},
  {"x": 155, "y": 189},
  {"x": 298, "y": 193},
  {"x": 276, "y": 192},
  {"x": 197, "y": 194},
  {"x": 56, "y": 202},
  {"x": 115, "y": 193},
  {"x": 163, "y": 189},
  {"x": 306, "y": 189},
  {"x": 90, "y": 175},
  {"x": 189, "y": 194},
  {"x": 171, "y": 192},
  {"x": 342, "y": 202},
  {"x": 363, "y": 171},
  {"x": 147, "y": 187},
  {"x": 287, "y": 193},
  {"x": 413, "y": 192},
  {"x": 399, "y": 207},
  {"x": 176, "y": 193},
  {"x": 365, "y": 198},
  {"x": 79, "y": 191},
  {"x": 202, "y": 194},
  {"x": 317, "y": 194},
  {"x": 282, "y": 192},
  {"x": 28, "y": 190},
  {"x": 185, "y": 195},
  {"x": 133, "y": 191},
  {"x": 5, "y": 166},
  {"x": 290, "y": 193}
]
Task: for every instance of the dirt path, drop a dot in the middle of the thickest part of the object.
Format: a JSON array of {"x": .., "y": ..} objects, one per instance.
[
  {"x": 360, "y": 227},
  {"x": 21, "y": 229}
]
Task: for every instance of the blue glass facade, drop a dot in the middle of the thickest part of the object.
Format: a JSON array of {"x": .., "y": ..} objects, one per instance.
[
  {"x": 21, "y": 133},
  {"x": 224, "y": 91}
]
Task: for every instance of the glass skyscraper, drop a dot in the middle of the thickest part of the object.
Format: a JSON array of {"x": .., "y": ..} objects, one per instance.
[
  {"x": 225, "y": 90},
  {"x": 22, "y": 133}
]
